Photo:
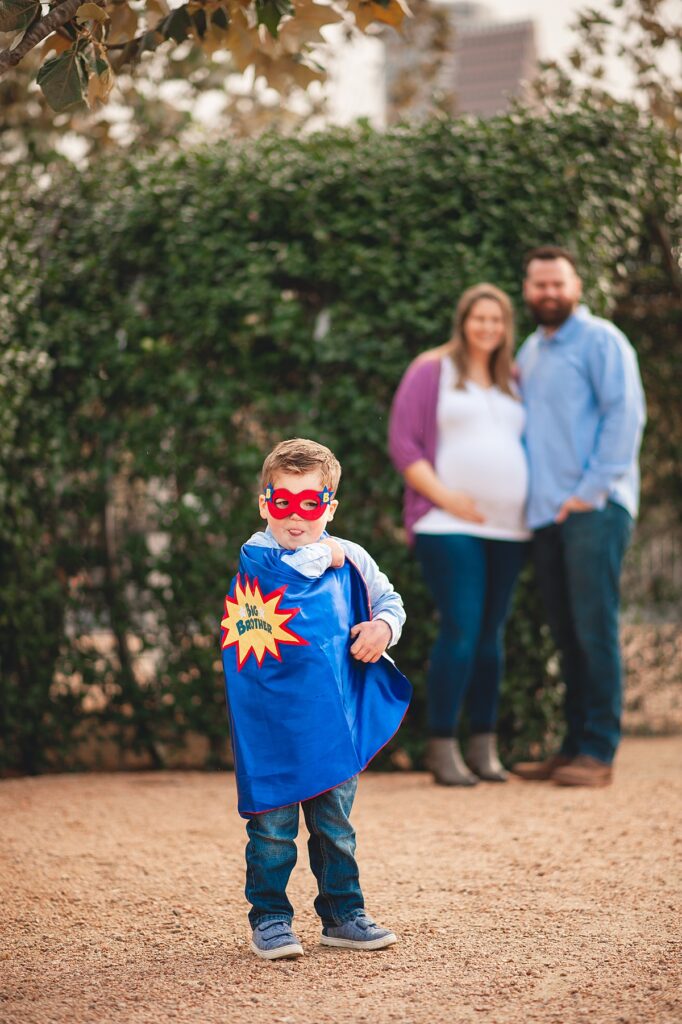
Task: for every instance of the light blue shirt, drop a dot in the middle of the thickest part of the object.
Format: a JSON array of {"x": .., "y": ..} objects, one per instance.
[
  {"x": 585, "y": 414},
  {"x": 312, "y": 560}
]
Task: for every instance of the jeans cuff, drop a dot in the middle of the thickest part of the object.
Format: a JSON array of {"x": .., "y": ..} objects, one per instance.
[
  {"x": 600, "y": 756},
  {"x": 346, "y": 917}
]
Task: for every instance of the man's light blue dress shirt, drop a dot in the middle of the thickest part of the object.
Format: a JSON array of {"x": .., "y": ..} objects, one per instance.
[{"x": 585, "y": 416}]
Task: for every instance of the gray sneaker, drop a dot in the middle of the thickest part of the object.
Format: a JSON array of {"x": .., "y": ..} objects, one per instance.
[
  {"x": 359, "y": 933},
  {"x": 274, "y": 940}
]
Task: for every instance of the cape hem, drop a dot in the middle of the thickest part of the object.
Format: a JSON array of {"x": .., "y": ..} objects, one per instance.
[{"x": 254, "y": 814}]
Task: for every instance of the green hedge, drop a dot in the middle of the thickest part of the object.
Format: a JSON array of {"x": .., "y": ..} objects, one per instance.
[{"x": 166, "y": 320}]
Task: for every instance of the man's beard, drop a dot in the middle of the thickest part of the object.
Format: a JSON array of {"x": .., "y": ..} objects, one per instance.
[{"x": 551, "y": 314}]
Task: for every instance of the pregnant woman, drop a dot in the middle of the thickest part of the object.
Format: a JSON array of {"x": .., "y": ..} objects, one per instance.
[{"x": 455, "y": 436}]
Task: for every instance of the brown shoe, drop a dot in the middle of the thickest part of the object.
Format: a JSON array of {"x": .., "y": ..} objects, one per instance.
[
  {"x": 540, "y": 771},
  {"x": 584, "y": 771}
]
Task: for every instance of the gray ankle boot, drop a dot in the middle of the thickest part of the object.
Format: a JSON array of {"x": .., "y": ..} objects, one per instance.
[
  {"x": 445, "y": 762},
  {"x": 482, "y": 758}
]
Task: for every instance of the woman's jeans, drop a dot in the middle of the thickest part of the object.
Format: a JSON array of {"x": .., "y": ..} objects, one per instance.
[
  {"x": 472, "y": 581},
  {"x": 577, "y": 564},
  {"x": 271, "y": 855}
]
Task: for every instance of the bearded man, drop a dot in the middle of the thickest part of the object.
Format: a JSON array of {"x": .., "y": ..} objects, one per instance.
[{"x": 585, "y": 416}]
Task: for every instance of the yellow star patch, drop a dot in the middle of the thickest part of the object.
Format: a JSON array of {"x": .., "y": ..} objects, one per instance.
[{"x": 256, "y": 624}]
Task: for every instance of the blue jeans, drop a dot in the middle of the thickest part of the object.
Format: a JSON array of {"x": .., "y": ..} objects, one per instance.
[
  {"x": 578, "y": 567},
  {"x": 472, "y": 581},
  {"x": 271, "y": 855}
]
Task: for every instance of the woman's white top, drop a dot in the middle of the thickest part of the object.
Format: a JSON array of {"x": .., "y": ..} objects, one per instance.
[{"x": 479, "y": 452}]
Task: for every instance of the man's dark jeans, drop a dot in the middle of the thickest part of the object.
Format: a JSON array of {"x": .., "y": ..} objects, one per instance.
[{"x": 578, "y": 567}]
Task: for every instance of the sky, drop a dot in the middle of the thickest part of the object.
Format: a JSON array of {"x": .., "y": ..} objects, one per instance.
[{"x": 357, "y": 82}]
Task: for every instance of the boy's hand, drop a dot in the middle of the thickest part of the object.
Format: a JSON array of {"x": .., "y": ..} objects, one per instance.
[
  {"x": 338, "y": 557},
  {"x": 372, "y": 639}
]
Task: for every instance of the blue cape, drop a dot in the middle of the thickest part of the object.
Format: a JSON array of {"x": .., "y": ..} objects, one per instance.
[{"x": 305, "y": 716}]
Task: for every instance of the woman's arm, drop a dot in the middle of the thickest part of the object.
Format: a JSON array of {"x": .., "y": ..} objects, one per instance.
[
  {"x": 421, "y": 476},
  {"x": 408, "y": 445},
  {"x": 408, "y": 425}
]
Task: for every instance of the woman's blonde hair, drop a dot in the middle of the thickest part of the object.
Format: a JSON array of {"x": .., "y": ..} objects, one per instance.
[{"x": 456, "y": 347}]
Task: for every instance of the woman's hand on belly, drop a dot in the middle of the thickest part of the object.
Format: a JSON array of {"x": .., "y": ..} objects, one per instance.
[{"x": 462, "y": 505}]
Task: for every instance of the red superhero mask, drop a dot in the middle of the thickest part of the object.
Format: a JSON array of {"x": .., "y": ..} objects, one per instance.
[{"x": 307, "y": 504}]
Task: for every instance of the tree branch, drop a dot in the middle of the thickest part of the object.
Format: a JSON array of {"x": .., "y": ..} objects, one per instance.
[{"x": 57, "y": 17}]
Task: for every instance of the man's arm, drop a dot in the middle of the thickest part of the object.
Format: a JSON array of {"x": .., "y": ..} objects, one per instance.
[{"x": 618, "y": 387}]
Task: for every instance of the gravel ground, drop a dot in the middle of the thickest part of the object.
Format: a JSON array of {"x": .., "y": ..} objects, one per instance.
[{"x": 122, "y": 902}]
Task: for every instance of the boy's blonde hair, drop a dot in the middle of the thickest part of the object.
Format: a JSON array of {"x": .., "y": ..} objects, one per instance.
[{"x": 299, "y": 455}]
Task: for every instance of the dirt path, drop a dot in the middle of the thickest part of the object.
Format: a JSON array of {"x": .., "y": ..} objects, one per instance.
[{"x": 122, "y": 903}]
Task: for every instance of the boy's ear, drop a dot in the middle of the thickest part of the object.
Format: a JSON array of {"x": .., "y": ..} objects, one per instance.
[
  {"x": 262, "y": 506},
  {"x": 333, "y": 505}
]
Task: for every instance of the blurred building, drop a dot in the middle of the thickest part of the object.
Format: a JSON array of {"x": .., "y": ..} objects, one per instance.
[
  {"x": 458, "y": 58},
  {"x": 493, "y": 63}
]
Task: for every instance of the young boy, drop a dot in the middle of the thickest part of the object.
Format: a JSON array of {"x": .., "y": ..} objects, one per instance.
[{"x": 311, "y": 698}]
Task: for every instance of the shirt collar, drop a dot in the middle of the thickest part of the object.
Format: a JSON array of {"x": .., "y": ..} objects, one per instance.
[{"x": 568, "y": 328}]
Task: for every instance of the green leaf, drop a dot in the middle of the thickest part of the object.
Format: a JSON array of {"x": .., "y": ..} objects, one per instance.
[
  {"x": 63, "y": 80},
  {"x": 16, "y": 14},
  {"x": 271, "y": 12}
]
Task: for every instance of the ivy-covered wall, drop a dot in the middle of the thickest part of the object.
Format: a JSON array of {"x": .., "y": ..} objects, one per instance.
[{"x": 166, "y": 320}]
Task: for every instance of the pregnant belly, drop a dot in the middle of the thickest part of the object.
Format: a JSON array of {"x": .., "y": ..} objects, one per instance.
[{"x": 494, "y": 474}]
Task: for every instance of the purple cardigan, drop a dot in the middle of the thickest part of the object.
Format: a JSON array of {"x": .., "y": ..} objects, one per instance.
[{"x": 412, "y": 431}]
